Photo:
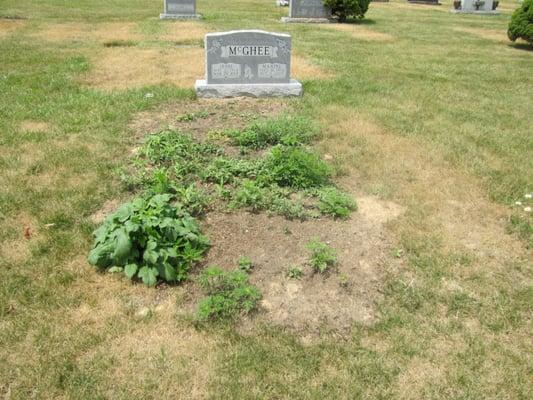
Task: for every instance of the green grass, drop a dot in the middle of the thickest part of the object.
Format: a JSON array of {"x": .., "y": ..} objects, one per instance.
[{"x": 452, "y": 324}]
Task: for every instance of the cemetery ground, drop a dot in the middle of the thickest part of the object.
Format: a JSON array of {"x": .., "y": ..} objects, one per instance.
[{"x": 426, "y": 120}]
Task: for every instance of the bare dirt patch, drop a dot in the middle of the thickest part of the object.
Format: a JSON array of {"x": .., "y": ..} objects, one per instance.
[
  {"x": 107, "y": 209},
  {"x": 123, "y": 68},
  {"x": 360, "y": 32},
  {"x": 338, "y": 298},
  {"x": 8, "y": 26},
  {"x": 207, "y": 115},
  {"x": 346, "y": 294}
]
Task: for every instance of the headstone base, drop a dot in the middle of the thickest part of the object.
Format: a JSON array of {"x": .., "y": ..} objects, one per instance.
[
  {"x": 179, "y": 16},
  {"x": 291, "y": 89},
  {"x": 308, "y": 20},
  {"x": 480, "y": 12}
]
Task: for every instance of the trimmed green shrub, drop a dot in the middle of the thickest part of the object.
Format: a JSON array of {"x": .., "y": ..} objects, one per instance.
[
  {"x": 229, "y": 294},
  {"x": 295, "y": 167},
  {"x": 344, "y": 9},
  {"x": 521, "y": 25},
  {"x": 149, "y": 239}
]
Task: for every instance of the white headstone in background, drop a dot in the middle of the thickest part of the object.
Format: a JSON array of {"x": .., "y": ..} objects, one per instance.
[
  {"x": 248, "y": 63},
  {"x": 476, "y": 7}
]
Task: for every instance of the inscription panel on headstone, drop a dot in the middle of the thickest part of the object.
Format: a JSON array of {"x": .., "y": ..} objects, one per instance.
[
  {"x": 472, "y": 5},
  {"x": 247, "y": 57},
  {"x": 180, "y": 7},
  {"x": 308, "y": 9}
]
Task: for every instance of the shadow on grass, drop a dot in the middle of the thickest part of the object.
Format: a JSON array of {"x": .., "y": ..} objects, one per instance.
[
  {"x": 522, "y": 46},
  {"x": 364, "y": 21}
]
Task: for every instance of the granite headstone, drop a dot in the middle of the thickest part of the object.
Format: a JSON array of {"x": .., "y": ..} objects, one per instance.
[
  {"x": 179, "y": 9},
  {"x": 476, "y": 7},
  {"x": 248, "y": 63},
  {"x": 308, "y": 11}
]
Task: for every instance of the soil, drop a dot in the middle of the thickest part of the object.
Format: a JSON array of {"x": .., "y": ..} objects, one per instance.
[{"x": 345, "y": 294}]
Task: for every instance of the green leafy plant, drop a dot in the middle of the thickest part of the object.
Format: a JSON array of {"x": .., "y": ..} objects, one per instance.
[
  {"x": 333, "y": 202},
  {"x": 149, "y": 239},
  {"x": 249, "y": 195},
  {"x": 295, "y": 272},
  {"x": 245, "y": 264},
  {"x": 344, "y": 9},
  {"x": 322, "y": 256},
  {"x": 285, "y": 130},
  {"x": 193, "y": 199},
  {"x": 229, "y": 294},
  {"x": 295, "y": 167},
  {"x": 521, "y": 25}
]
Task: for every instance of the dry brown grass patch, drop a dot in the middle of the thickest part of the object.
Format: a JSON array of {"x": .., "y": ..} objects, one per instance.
[
  {"x": 184, "y": 31},
  {"x": 34, "y": 126},
  {"x": 301, "y": 68},
  {"x": 404, "y": 5},
  {"x": 177, "y": 357},
  {"x": 17, "y": 249},
  {"x": 8, "y": 26},
  {"x": 124, "y": 68},
  {"x": 454, "y": 203},
  {"x": 76, "y": 31},
  {"x": 492, "y": 34},
  {"x": 359, "y": 32}
]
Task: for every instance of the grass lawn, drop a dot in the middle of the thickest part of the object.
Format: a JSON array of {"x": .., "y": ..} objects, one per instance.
[{"x": 427, "y": 119}]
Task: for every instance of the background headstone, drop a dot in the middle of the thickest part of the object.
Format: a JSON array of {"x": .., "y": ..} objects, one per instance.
[
  {"x": 179, "y": 9},
  {"x": 476, "y": 7},
  {"x": 248, "y": 63},
  {"x": 307, "y": 11}
]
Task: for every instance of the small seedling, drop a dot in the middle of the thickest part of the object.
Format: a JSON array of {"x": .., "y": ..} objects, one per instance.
[
  {"x": 398, "y": 253},
  {"x": 189, "y": 117},
  {"x": 295, "y": 272},
  {"x": 344, "y": 281},
  {"x": 245, "y": 264},
  {"x": 322, "y": 256}
]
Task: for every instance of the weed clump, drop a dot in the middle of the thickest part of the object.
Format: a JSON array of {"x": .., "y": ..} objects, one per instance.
[
  {"x": 149, "y": 239},
  {"x": 334, "y": 202},
  {"x": 285, "y": 130},
  {"x": 288, "y": 179},
  {"x": 295, "y": 167},
  {"x": 322, "y": 256},
  {"x": 229, "y": 294}
]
